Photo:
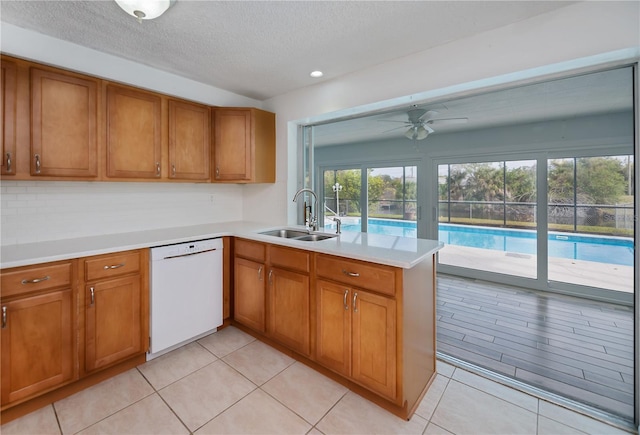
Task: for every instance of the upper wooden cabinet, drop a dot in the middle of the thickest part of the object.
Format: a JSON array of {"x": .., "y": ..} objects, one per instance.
[
  {"x": 134, "y": 126},
  {"x": 244, "y": 146},
  {"x": 8, "y": 115},
  {"x": 189, "y": 141},
  {"x": 60, "y": 125},
  {"x": 64, "y": 119}
]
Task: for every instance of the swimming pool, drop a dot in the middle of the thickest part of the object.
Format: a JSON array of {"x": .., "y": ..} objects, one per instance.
[{"x": 603, "y": 249}]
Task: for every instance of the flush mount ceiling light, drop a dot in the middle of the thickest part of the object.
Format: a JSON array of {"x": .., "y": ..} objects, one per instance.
[
  {"x": 145, "y": 9},
  {"x": 316, "y": 74}
]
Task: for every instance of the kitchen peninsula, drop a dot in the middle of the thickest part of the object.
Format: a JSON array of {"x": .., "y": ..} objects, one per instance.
[{"x": 358, "y": 307}]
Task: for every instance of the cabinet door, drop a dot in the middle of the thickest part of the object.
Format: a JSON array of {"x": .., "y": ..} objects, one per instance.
[
  {"x": 249, "y": 294},
  {"x": 289, "y": 309},
  {"x": 37, "y": 344},
  {"x": 133, "y": 133},
  {"x": 8, "y": 115},
  {"x": 189, "y": 141},
  {"x": 374, "y": 342},
  {"x": 64, "y": 121},
  {"x": 232, "y": 145},
  {"x": 333, "y": 343},
  {"x": 113, "y": 321}
]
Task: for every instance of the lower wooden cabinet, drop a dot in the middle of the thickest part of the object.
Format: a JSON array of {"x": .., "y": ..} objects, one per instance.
[
  {"x": 356, "y": 335},
  {"x": 371, "y": 325},
  {"x": 113, "y": 321},
  {"x": 38, "y": 347},
  {"x": 64, "y": 321},
  {"x": 249, "y": 293},
  {"x": 289, "y": 309},
  {"x": 114, "y": 308},
  {"x": 373, "y": 342}
]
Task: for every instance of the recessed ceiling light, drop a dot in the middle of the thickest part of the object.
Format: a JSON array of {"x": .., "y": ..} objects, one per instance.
[{"x": 316, "y": 74}]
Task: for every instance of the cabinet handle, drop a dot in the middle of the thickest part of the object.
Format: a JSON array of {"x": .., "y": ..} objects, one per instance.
[
  {"x": 35, "y": 281},
  {"x": 37, "y": 157},
  {"x": 93, "y": 296},
  {"x": 115, "y": 266},
  {"x": 157, "y": 169},
  {"x": 344, "y": 300},
  {"x": 173, "y": 170},
  {"x": 353, "y": 274},
  {"x": 355, "y": 307},
  {"x": 8, "y": 162},
  {"x": 4, "y": 317},
  {"x": 217, "y": 172},
  {"x": 270, "y": 274},
  {"x": 260, "y": 273}
]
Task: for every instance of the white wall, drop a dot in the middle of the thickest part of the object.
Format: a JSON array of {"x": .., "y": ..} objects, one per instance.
[
  {"x": 34, "y": 211},
  {"x": 545, "y": 44}
]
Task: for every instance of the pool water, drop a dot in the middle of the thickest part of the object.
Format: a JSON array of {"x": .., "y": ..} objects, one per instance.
[{"x": 603, "y": 249}]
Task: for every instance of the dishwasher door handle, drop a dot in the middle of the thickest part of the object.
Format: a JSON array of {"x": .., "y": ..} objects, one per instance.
[{"x": 189, "y": 254}]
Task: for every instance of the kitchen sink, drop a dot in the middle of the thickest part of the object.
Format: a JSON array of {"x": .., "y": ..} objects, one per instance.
[{"x": 298, "y": 235}]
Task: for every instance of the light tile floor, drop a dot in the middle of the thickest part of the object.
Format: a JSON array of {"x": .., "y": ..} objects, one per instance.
[{"x": 229, "y": 383}]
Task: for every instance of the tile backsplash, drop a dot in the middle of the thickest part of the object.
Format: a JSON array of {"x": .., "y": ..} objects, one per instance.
[{"x": 34, "y": 211}]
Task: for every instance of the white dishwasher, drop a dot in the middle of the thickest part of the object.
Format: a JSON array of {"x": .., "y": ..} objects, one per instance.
[{"x": 186, "y": 293}]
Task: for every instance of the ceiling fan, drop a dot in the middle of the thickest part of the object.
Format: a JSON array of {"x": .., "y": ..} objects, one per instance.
[{"x": 420, "y": 122}]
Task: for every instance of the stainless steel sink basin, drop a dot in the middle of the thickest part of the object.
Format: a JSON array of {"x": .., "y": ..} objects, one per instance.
[
  {"x": 287, "y": 234},
  {"x": 315, "y": 237},
  {"x": 298, "y": 235}
]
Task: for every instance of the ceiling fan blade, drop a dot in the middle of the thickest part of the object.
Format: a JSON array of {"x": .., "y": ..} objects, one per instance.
[
  {"x": 389, "y": 120},
  {"x": 429, "y": 129},
  {"x": 428, "y": 115},
  {"x": 397, "y": 128},
  {"x": 448, "y": 121}
]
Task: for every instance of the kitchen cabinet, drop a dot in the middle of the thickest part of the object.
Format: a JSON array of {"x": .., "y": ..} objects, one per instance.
[
  {"x": 134, "y": 129},
  {"x": 70, "y": 324},
  {"x": 289, "y": 298},
  {"x": 189, "y": 141},
  {"x": 249, "y": 284},
  {"x": 244, "y": 145},
  {"x": 356, "y": 331},
  {"x": 115, "y": 308},
  {"x": 38, "y": 330},
  {"x": 8, "y": 115},
  {"x": 372, "y": 326},
  {"x": 64, "y": 124}
]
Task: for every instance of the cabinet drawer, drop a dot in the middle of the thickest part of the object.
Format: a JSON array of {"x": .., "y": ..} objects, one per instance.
[
  {"x": 106, "y": 266},
  {"x": 287, "y": 258},
  {"x": 355, "y": 273},
  {"x": 251, "y": 250},
  {"x": 35, "y": 278}
]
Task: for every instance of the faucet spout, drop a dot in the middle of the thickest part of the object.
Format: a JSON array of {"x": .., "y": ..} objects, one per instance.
[{"x": 313, "y": 223}]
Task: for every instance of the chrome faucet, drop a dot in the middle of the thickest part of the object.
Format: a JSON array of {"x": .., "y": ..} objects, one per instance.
[{"x": 312, "y": 221}]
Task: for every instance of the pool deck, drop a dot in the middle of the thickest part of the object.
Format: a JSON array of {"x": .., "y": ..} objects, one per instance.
[{"x": 589, "y": 273}]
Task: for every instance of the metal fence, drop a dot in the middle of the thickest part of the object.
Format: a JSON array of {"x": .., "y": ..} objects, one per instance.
[{"x": 618, "y": 216}]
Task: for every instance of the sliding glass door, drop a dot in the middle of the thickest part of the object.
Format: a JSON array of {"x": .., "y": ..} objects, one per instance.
[
  {"x": 591, "y": 221},
  {"x": 487, "y": 216},
  {"x": 389, "y": 195}
]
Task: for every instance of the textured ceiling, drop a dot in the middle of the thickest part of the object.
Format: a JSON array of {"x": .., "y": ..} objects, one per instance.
[{"x": 261, "y": 49}]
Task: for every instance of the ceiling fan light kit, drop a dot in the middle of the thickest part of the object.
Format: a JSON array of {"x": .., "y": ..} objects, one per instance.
[{"x": 145, "y": 9}]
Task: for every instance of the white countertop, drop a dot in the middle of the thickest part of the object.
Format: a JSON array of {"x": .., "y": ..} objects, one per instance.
[{"x": 390, "y": 250}]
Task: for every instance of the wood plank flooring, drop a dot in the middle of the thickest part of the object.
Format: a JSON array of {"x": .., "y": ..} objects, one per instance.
[{"x": 573, "y": 347}]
